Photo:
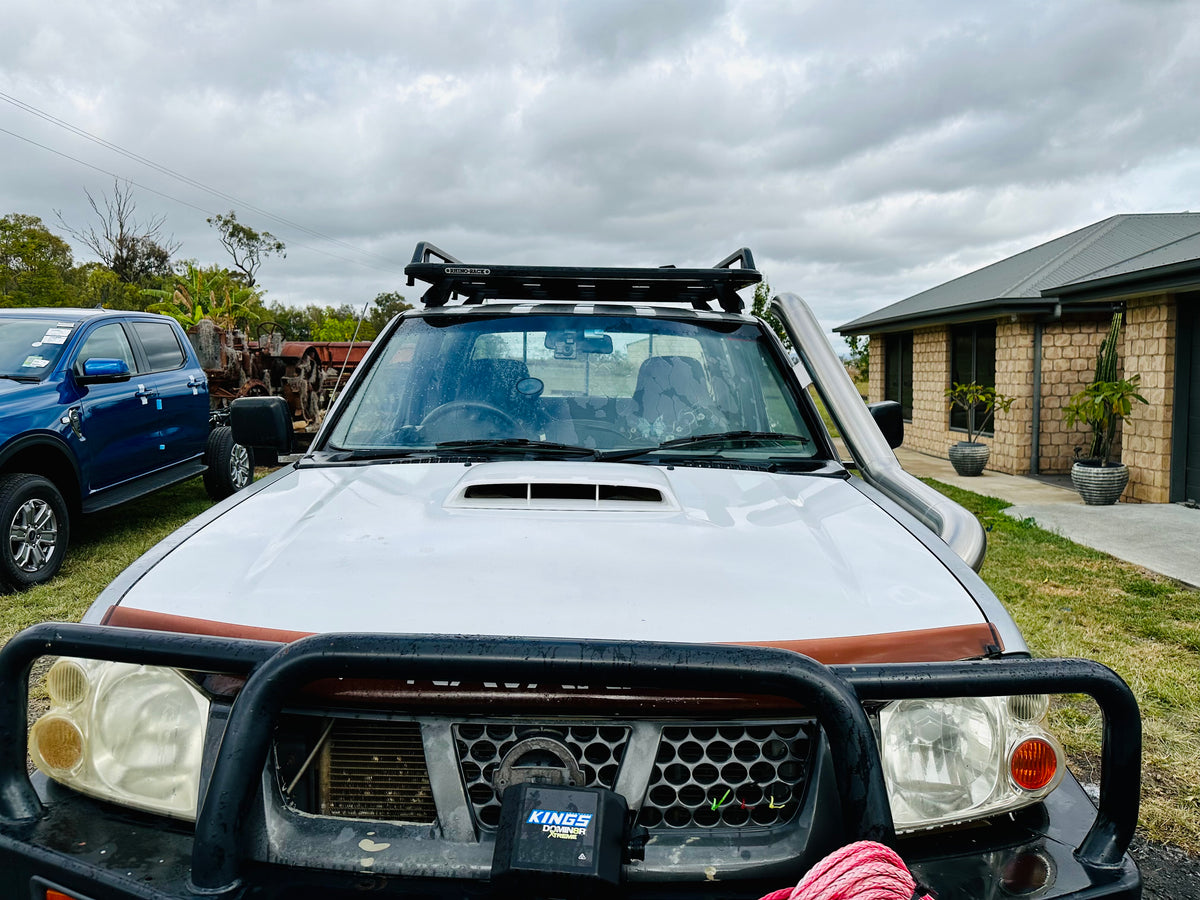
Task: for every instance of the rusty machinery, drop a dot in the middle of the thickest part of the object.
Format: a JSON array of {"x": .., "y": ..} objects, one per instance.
[{"x": 305, "y": 373}]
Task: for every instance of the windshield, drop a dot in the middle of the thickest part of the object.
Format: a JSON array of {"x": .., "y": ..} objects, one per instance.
[
  {"x": 613, "y": 385},
  {"x": 29, "y": 348}
]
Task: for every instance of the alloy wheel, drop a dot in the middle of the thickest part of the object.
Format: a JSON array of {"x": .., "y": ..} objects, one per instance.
[
  {"x": 33, "y": 535},
  {"x": 239, "y": 466}
]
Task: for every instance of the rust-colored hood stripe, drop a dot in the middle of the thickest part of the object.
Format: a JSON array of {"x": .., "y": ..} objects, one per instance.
[{"x": 926, "y": 645}]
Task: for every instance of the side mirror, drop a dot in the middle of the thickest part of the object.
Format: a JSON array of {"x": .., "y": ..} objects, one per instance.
[
  {"x": 262, "y": 422},
  {"x": 890, "y": 419},
  {"x": 101, "y": 370}
]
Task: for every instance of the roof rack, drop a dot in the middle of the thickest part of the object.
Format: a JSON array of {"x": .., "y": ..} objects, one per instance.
[{"x": 448, "y": 277}]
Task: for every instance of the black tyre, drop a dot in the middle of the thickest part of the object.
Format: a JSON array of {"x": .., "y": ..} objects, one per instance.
[
  {"x": 36, "y": 527},
  {"x": 230, "y": 465}
]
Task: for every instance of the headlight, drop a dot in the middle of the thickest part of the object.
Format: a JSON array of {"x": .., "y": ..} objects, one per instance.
[
  {"x": 130, "y": 734},
  {"x": 952, "y": 760}
]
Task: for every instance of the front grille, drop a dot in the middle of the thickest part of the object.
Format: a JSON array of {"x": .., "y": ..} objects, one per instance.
[
  {"x": 703, "y": 776},
  {"x": 732, "y": 776},
  {"x": 597, "y": 748},
  {"x": 375, "y": 770}
]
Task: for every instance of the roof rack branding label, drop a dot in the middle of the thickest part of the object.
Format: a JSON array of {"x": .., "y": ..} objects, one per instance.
[{"x": 466, "y": 270}]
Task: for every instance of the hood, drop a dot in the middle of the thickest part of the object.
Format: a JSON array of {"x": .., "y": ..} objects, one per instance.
[{"x": 558, "y": 549}]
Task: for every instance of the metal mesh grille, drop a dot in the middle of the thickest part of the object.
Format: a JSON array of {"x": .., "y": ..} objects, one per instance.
[
  {"x": 728, "y": 776},
  {"x": 480, "y": 748},
  {"x": 375, "y": 770}
]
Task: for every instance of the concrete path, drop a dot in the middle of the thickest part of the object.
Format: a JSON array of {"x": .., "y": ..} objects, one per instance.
[{"x": 1161, "y": 537}]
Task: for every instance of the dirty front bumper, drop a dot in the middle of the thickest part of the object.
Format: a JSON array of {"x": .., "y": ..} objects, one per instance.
[{"x": 52, "y": 838}]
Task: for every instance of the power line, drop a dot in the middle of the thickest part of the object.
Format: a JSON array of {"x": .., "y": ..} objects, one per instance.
[
  {"x": 171, "y": 173},
  {"x": 207, "y": 212}
]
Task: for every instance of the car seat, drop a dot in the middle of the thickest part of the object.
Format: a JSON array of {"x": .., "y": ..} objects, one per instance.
[{"x": 672, "y": 396}]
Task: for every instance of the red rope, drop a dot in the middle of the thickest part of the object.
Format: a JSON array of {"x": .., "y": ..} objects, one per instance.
[{"x": 861, "y": 871}]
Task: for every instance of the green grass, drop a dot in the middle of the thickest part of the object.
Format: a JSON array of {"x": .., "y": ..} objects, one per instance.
[
  {"x": 101, "y": 546},
  {"x": 1069, "y": 600}
]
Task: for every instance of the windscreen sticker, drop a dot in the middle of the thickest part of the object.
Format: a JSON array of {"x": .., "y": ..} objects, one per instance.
[
  {"x": 35, "y": 362},
  {"x": 52, "y": 339},
  {"x": 60, "y": 331},
  {"x": 66, "y": 324}
]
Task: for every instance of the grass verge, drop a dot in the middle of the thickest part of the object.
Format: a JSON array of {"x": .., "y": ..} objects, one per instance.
[
  {"x": 102, "y": 545},
  {"x": 1069, "y": 600}
]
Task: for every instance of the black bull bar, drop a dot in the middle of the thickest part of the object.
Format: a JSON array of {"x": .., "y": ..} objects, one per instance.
[{"x": 832, "y": 693}]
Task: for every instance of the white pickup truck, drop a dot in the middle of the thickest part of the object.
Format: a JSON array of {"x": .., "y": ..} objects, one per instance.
[{"x": 575, "y": 595}]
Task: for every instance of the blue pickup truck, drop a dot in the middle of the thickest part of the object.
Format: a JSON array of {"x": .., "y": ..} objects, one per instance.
[{"x": 97, "y": 407}]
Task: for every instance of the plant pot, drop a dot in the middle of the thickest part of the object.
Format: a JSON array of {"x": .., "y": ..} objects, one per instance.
[
  {"x": 969, "y": 457},
  {"x": 1099, "y": 485}
]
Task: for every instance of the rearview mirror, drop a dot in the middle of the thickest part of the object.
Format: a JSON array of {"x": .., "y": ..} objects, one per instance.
[{"x": 566, "y": 344}]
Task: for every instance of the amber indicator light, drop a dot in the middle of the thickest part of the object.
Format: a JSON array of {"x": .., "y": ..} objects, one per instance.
[{"x": 1033, "y": 764}]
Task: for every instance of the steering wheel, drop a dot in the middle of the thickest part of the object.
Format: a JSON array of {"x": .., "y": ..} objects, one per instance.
[{"x": 482, "y": 412}]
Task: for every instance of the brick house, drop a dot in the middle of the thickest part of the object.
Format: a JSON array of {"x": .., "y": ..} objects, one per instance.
[{"x": 1031, "y": 326}]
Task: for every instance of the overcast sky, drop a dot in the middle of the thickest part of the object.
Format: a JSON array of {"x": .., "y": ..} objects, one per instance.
[{"x": 863, "y": 151}]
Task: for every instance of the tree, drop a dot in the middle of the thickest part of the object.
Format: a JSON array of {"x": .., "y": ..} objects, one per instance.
[
  {"x": 35, "y": 264},
  {"x": 135, "y": 251},
  {"x": 208, "y": 293},
  {"x": 293, "y": 321},
  {"x": 859, "y": 357},
  {"x": 334, "y": 328},
  {"x": 384, "y": 307},
  {"x": 247, "y": 247},
  {"x": 762, "y": 299},
  {"x": 97, "y": 285}
]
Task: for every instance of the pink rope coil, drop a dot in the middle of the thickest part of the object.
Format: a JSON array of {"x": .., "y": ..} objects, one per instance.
[{"x": 861, "y": 871}]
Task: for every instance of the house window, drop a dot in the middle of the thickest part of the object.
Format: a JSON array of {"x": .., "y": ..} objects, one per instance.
[
  {"x": 972, "y": 359},
  {"x": 898, "y": 363}
]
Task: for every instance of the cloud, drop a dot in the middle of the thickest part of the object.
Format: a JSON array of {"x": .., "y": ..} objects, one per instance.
[{"x": 865, "y": 151}]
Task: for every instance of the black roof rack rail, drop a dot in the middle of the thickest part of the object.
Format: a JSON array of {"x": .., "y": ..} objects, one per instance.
[{"x": 448, "y": 277}]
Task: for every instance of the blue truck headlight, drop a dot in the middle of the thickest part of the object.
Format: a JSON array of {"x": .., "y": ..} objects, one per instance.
[
  {"x": 129, "y": 734},
  {"x": 947, "y": 761}
]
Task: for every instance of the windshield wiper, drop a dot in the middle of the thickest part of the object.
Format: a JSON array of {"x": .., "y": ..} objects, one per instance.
[
  {"x": 373, "y": 453},
  {"x": 25, "y": 379},
  {"x": 700, "y": 440},
  {"x": 518, "y": 445},
  {"x": 480, "y": 445}
]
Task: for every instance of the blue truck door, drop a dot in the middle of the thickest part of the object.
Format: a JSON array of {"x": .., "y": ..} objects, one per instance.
[
  {"x": 181, "y": 391},
  {"x": 117, "y": 423}
]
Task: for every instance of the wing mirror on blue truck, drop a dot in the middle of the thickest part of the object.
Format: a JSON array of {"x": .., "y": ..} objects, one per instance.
[{"x": 98, "y": 370}]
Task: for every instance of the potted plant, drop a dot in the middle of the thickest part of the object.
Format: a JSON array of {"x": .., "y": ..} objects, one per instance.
[
  {"x": 969, "y": 457},
  {"x": 1101, "y": 405}
]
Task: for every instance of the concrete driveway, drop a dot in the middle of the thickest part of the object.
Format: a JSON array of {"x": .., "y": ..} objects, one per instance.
[{"x": 1161, "y": 537}]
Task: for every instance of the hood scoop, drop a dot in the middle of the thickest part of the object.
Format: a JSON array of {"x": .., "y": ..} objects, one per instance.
[{"x": 505, "y": 486}]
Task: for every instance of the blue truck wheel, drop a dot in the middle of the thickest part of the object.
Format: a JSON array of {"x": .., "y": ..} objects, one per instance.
[{"x": 36, "y": 527}]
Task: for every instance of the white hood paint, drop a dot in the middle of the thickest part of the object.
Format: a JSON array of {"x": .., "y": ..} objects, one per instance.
[{"x": 733, "y": 556}]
